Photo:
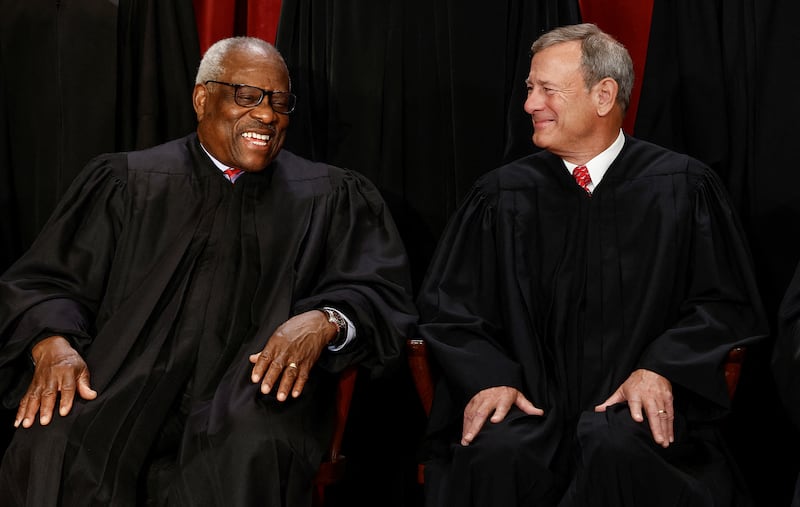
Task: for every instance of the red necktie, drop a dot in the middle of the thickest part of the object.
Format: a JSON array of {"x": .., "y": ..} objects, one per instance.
[
  {"x": 581, "y": 175},
  {"x": 231, "y": 173}
]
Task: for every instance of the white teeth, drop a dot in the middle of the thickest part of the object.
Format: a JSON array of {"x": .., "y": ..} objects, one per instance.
[{"x": 253, "y": 135}]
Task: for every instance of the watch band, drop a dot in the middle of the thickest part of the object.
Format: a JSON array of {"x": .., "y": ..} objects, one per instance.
[{"x": 335, "y": 317}]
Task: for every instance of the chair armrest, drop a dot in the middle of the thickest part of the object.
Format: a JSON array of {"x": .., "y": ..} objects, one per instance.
[
  {"x": 419, "y": 363},
  {"x": 733, "y": 368}
]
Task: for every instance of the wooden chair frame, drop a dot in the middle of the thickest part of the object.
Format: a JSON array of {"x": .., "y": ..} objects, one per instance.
[{"x": 332, "y": 469}]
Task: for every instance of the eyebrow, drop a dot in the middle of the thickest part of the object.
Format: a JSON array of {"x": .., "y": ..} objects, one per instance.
[{"x": 540, "y": 82}]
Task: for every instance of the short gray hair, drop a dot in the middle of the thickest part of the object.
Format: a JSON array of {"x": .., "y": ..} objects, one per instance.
[
  {"x": 602, "y": 56},
  {"x": 212, "y": 66}
]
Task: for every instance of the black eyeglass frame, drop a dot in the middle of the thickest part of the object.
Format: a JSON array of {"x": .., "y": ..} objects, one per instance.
[{"x": 264, "y": 93}]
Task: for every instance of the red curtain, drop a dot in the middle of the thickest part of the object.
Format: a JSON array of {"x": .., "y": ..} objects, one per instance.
[
  {"x": 629, "y": 22},
  {"x": 218, "y": 19}
]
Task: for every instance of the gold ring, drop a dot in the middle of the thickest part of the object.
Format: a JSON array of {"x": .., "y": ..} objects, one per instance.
[
  {"x": 292, "y": 365},
  {"x": 660, "y": 411}
]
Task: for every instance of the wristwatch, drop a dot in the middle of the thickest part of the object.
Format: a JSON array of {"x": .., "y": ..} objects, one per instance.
[{"x": 335, "y": 317}]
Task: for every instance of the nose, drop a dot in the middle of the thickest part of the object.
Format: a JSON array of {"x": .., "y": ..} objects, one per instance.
[
  {"x": 264, "y": 112},
  {"x": 533, "y": 101}
]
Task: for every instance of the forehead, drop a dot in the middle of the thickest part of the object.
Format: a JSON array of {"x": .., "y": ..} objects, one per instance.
[
  {"x": 556, "y": 63},
  {"x": 257, "y": 69}
]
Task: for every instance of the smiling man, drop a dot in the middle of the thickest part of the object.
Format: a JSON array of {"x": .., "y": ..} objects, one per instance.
[
  {"x": 174, "y": 334},
  {"x": 580, "y": 306}
]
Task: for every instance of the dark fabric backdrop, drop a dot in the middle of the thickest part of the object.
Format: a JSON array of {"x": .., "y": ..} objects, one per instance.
[
  {"x": 719, "y": 84},
  {"x": 79, "y": 79},
  {"x": 421, "y": 96}
]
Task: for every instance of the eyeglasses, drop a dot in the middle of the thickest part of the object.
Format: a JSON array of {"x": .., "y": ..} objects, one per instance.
[{"x": 251, "y": 96}]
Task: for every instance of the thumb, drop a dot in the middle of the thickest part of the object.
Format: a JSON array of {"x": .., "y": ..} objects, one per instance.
[
  {"x": 526, "y": 406},
  {"x": 614, "y": 398},
  {"x": 84, "y": 388}
]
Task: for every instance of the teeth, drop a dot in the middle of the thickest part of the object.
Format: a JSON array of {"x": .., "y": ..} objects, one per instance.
[{"x": 253, "y": 135}]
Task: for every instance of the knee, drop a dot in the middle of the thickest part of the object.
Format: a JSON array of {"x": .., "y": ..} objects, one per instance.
[
  {"x": 612, "y": 437},
  {"x": 491, "y": 447}
]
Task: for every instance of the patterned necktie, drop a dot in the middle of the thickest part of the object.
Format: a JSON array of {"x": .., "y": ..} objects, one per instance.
[
  {"x": 581, "y": 175},
  {"x": 232, "y": 173}
]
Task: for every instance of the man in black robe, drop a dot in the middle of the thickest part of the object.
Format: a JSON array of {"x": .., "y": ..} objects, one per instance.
[
  {"x": 580, "y": 332},
  {"x": 173, "y": 337}
]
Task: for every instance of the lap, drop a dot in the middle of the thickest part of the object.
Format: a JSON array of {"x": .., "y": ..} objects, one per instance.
[{"x": 603, "y": 458}]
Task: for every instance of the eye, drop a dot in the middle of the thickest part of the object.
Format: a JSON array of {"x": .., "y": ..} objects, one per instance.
[
  {"x": 280, "y": 101},
  {"x": 248, "y": 96}
]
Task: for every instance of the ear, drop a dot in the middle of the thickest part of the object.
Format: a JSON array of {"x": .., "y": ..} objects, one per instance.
[
  {"x": 199, "y": 97},
  {"x": 605, "y": 95}
]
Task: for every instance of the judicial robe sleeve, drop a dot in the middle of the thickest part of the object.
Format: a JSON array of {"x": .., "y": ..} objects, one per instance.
[
  {"x": 58, "y": 285},
  {"x": 460, "y": 304},
  {"x": 364, "y": 274},
  {"x": 721, "y": 307}
]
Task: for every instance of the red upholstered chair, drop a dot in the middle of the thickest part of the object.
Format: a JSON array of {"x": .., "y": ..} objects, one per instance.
[
  {"x": 422, "y": 375},
  {"x": 332, "y": 468}
]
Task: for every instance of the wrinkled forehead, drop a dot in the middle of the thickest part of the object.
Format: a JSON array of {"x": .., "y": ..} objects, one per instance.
[{"x": 556, "y": 62}]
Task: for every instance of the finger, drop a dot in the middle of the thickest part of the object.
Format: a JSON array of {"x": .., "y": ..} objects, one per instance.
[
  {"x": 655, "y": 417},
  {"x": 635, "y": 408},
  {"x": 261, "y": 362},
  {"x": 47, "y": 403},
  {"x": 526, "y": 406},
  {"x": 500, "y": 412},
  {"x": 667, "y": 416},
  {"x": 300, "y": 383},
  {"x": 33, "y": 399},
  {"x": 271, "y": 376},
  {"x": 66, "y": 398},
  {"x": 288, "y": 379},
  {"x": 68, "y": 390},
  {"x": 474, "y": 419},
  {"x": 614, "y": 398},
  {"x": 21, "y": 411},
  {"x": 85, "y": 388}
]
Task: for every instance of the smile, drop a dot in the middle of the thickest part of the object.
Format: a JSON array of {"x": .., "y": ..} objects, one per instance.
[{"x": 263, "y": 138}]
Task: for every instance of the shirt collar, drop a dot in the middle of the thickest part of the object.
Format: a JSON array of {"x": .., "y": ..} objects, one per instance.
[
  {"x": 217, "y": 163},
  {"x": 599, "y": 165}
]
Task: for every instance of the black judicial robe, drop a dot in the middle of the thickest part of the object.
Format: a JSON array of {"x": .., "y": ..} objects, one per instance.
[
  {"x": 786, "y": 358},
  {"x": 540, "y": 287},
  {"x": 167, "y": 277}
]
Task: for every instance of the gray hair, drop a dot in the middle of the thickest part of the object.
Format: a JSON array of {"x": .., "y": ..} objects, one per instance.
[
  {"x": 212, "y": 66},
  {"x": 602, "y": 56}
]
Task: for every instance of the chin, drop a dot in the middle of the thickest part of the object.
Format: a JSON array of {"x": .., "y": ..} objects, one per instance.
[{"x": 539, "y": 142}]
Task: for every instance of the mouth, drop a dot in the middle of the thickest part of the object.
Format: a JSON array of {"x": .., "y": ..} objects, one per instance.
[
  {"x": 256, "y": 138},
  {"x": 541, "y": 122}
]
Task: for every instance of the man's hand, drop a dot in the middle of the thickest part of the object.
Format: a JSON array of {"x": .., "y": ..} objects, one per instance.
[
  {"x": 647, "y": 391},
  {"x": 59, "y": 372},
  {"x": 496, "y": 401},
  {"x": 290, "y": 353}
]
